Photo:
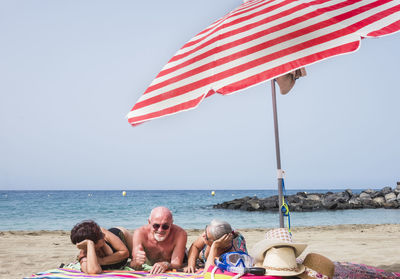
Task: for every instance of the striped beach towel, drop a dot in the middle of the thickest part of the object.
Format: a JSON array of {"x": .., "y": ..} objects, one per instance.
[
  {"x": 343, "y": 270},
  {"x": 63, "y": 273}
]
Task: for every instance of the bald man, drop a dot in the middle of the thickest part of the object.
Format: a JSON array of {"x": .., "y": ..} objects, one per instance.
[{"x": 160, "y": 243}]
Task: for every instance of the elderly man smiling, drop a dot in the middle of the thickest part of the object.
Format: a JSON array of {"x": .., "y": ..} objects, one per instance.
[{"x": 160, "y": 243}]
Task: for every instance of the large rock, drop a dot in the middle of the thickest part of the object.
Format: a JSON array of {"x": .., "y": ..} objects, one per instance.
[
  {"x": 301, "y": 194},
  {"x": 309, "y": 204},
  {"x": 293, "y": 199},
  {"x": 304, "y": 201},
  {"x": 376, "y": 194},
  {"x": 314, "y": 197},
  {"x": 344, "y": 205},
  {"x": 295, "y": 207},
  {"x": 338, "y": 197},
  {"x": 369, "y": 191},
  {"x": 254, "y": 204},
  {"x": 386, "y": 190},
  {"x": 390, "y": 197},
  {"x": 368, "y": 203},
  {"x": 379, "y": 201},
  {"x": 246, "y": 207},
  {"x": 234, "y": 206},
  {"x": 268, "y": 204},
  {"x": 391, "y": 205},
  {"x": 365, "y": 196},
  {"x": 355, "y": 202},
  {"x": 349, "y": 192},
  {"x": 330, "y": 205}
]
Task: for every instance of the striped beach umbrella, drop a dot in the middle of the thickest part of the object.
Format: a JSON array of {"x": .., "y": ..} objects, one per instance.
[{"x": 260, "y": 41}]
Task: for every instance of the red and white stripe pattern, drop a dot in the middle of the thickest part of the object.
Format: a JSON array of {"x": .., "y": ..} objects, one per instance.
[{"x": 258, "y": 41}]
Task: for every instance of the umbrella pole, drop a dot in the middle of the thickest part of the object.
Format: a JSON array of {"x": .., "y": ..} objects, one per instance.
[{"x": 278, "y": 154}]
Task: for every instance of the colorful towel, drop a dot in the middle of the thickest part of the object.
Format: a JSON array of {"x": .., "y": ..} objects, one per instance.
[
  {"x": 223, "y": 274},
  {"x": 63, "y": 273},
  {"x": 345, "y": 270}
]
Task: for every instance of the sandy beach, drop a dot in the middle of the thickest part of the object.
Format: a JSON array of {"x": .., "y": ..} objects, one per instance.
[{"x": 23, "y": 253}]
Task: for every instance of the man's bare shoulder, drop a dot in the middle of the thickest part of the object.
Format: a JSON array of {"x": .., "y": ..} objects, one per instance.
[
  {"x": 142, "y": 231},
  {"x": 179, "y": 231}
]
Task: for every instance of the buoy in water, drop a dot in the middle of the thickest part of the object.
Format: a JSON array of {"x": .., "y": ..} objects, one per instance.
[
  {"x": 123, "y": 193},
  {"x": 212, "y": 193}
]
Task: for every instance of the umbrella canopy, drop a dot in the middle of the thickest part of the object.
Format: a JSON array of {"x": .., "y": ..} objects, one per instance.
[{"x": 259, "y": 41}]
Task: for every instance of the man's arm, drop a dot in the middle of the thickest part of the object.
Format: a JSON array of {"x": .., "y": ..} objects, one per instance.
[
  {"x": 178, "y": 253},
  {"x": 177, "y": 256},
  {"x": 138, "y": 254}
]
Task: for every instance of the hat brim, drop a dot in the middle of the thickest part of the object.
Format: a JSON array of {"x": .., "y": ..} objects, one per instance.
[
  {"x": 301, "y": 268},
  {"x": 261, "y": 247}
]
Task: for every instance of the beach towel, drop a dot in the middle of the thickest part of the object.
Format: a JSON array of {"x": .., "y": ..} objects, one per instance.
[
  {"x": 65, "y": 273},
  {"x": 345, "y": 270},
  {"x": 223, "y": 274}
]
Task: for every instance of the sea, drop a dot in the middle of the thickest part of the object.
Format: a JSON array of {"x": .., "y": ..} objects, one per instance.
[{"x": 192, "y": 209}]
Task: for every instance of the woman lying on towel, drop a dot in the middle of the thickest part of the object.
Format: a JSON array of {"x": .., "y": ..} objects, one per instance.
[
  {"x": 100, "y": 249},
  {"x": 217, "y": 238}
]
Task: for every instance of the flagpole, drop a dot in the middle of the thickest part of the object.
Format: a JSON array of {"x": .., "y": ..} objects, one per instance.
[{"x": 278, "y": 154}]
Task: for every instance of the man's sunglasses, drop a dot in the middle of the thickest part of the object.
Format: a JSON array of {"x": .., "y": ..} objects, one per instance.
[{"x": 163, "y": 226}]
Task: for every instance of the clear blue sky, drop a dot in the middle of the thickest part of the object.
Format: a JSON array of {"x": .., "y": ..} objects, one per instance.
[{"x": 71, "y": 70}]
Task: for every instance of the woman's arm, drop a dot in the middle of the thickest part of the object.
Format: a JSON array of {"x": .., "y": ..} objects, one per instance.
[
  {"x": 89, "y": 263},
  {"x": 218, "y": 247},
  {"x": 121, "y": 252},
  {"x": 194, "y": 252}
]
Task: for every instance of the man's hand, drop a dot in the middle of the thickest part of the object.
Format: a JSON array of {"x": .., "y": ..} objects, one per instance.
[
  {"x": 160, "y": 267},
  {"x": 139, "y": 258},
  {"x": 190, "y": 269}
]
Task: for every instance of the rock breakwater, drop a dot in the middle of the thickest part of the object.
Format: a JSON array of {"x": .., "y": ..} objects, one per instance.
[{"x": 303, "y": 201}]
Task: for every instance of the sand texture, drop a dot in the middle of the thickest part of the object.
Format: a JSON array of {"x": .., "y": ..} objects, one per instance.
[{"x": 25, "y": 252}]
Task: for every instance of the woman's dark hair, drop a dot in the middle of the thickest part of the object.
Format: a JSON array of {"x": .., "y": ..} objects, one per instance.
[{"x": 87, "y": 229}]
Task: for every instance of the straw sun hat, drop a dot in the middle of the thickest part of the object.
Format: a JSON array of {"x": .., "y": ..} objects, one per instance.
[
  {"x": 277, "y": 254},
  {"x": 317, "y": 266}
]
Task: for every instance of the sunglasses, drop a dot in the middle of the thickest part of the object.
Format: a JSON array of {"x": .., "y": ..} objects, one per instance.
[{"x": 163, "y": 226}]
